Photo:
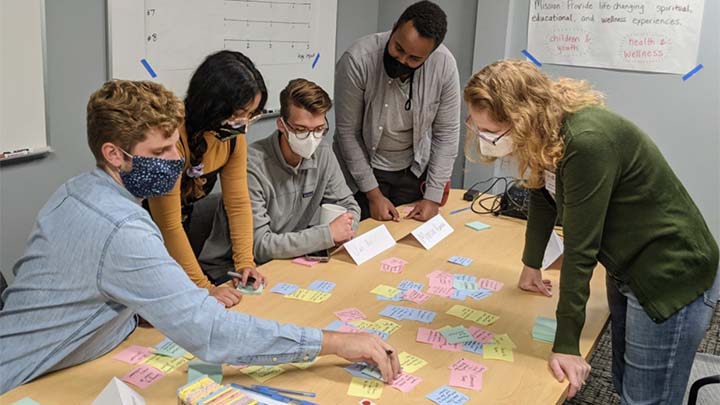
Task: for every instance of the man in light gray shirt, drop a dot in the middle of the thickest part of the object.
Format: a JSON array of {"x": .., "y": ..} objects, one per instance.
[
  {"x": 291, "y": 174},
  {"x": 397, "y": 98}
]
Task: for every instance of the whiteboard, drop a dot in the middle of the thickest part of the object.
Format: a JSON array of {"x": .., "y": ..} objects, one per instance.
[
  {"x": 285, "y": 39},
  {"x": 22, "y": 76}
]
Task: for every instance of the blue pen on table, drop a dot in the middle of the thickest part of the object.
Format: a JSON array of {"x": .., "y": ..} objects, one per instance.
[
  {"x": 286, "y": 391},
  {"x": 459, "y": 210},
  {"x": 274, "y": 394}
]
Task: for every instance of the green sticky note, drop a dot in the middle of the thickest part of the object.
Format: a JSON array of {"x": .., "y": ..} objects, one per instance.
[
  {"x": 26, "y": 401},
  {"x": 477, "y": 225},
  {"x": 198, "y": 368},
  {"x": 249, "y": 290},
  {"x": 457, "y": 334}
]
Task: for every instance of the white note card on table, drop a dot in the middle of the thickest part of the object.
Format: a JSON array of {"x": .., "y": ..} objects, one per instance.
[
  {"x": 370, "y": 244},
  {"x": 118, "y": 393},
  {"x": 553, "y": 250},
  {"x": 432, "y": 232}
]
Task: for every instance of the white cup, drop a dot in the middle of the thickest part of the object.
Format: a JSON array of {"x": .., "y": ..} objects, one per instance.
[{"x": 328, "y": 212}]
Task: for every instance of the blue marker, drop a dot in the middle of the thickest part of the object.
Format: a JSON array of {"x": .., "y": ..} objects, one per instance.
[
  {"x": 317, "y": 57},
  {"x": 148, "y": 68},
  {"x": 532, "y": 58},
  {"x": 692, "y": 72},
  {"x": 459, "y": 210}
]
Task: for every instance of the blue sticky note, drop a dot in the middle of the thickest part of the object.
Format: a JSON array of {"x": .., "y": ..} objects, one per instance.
[
  {"x": 464, "y": 277},
  {"x": 334, "y": 325},
  {"x": 447, "y": 396},
  {"x": 479, "y": 294},
  {"x": 473, "y": 347},
  {"x": 396, "y": 312},
  {"x": 321, "y": 285},
  {"x": 463, "y": 261},
  {"x": 422, "y": 315},
  {"x": 477, "y": 225},
  {"x": 356, "y": 369},
  {"x": 26, "y": 401},
  {"x": 410, "y": 285},
  {"x": 372, "y": 371},
  {"x": 284, "y": 288},
  {"x": 458, "y": 295},
  {"x": 168, "y": 348}
]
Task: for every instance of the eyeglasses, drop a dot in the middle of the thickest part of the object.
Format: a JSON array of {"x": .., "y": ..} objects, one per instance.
[
  {"x": 303, "y": 133},
  {"x": 485, "y": 136},
  {"x": 238, "y": 127}
]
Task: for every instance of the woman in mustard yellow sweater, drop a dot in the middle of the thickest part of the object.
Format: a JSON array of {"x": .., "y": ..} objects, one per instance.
[{"x": 226, "y": 94}]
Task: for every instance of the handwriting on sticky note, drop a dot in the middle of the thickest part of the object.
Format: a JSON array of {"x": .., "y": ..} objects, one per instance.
[
  {"x": 457, "y": 334},
  {"x": 430, "y": 336},
  {"x": 406, "y": 382},
  {"x": 467, "y": 365},
  {"x": 415, "y": 296},
  {"x": 491, "y": 285},
  {"x": 447, "y": 396},
  {"x": 360, "y": 387},
  {"x": 393, "y": 265},
  {"x": 134, "y": 354},
  {"x": 411, "y": 363},
  {"x": 385, "y": 325},
  {"x": 284, "y": 288},
  {"x": 370, "y": 244},
  {"x": 410, "y": 285},
  {"x": 495, "y": 352},
  {"x": 504, "y": 341},
  {"x": 143, "y": 376},
  {"x": 321, "y": 285},
  {"x": 462, "y": 261},
  {"x": 168, "y": 348},
  {"x": 385, "y": 291},
  {"x": 464, "y": 379},
  {"x": 481, "y": 335},
  {"x": 350, "y": 314},
  {"x": 165, "y": 364},
  {"x": 309, "y": 295},
  {"x": 441, "y": 291},
  {"x": 432, "y": 232}
]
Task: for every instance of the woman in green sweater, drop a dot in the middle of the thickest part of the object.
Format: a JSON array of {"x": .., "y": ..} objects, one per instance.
[{"x": 620, "y": 204}]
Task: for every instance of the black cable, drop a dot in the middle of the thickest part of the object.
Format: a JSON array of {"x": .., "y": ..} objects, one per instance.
[{"x": 493, "y": 204}]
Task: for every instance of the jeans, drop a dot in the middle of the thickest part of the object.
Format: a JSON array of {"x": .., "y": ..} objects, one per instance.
[
  {"x": 651, "y": 362},
  {"x": 401, "y": 187}
]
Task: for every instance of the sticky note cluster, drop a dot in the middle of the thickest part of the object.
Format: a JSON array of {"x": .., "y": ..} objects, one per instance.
[
  {"x": 152, "y": 363},
  {"x": 544, "y": 329},
  {"x": 318, "y": 291},
  {"x": 401, "y": 313},
  {"x": 460, "y": 286},
  {"x": 204, "y": 390}
]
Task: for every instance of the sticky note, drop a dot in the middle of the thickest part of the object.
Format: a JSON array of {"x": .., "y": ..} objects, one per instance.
[
  {"x": 544, "y": 329},
  {"x": 262, "y": 373},
  {"x": 372, "y": 371},
  {"x": 447, "y": 396},
  {"x": 477, "y": 225},
  {"x": 305, "y": 262},
  {"x": 26, "y": 401},
  {"x": 440, "y": 291},
  {"x": 504, "y": 341},
  {"x": 393, "y": 265},
  {"x": 481, "y": 335},
  {"x": 449, "y": 347},
  {"x": 406, "y": 285},
  {"x": 134, "y": 354},
  {"x": 495, "y": 352},
  {"x": 249, "y": 290},
  {"x": 460, "y": 311},
  {"x": 350, "y": 314},
  {"x": 198, "y": 368},
  {"x": 465, "y": 285},
  {"x": 479, "y": 294},
  {"x": 396, "y": 312},
  {"x": 483, "y": 318},
  {"x": 362, "y": 323},
  {"x": 305, "y": 365},
  {"x": 406, "y": 382},
  {"x": 422, "y": 315},
  {"x": 168, "y": 348},
  {"x": 309, "y": 295},
  {"x": 415, "y": 296},
  {"x": 396, "y": 297},
  {"x": 467, "y": 380},
  {"x": 356, "y": 369},
  {"x": 334, "y": 325},
  {"x": 165, "y": 364},
  {"x": 463, "y": 261},
  {"x": 458, "y": 295},
  {"x": 430, "y": 336},
  {"x": 407, "y": 210},
  {"x": 385, "y": 291},
  {"x": 284, "y": 288},
  {"x": 457, "y": 334},
  {"x": 143, "y": 376},
  {"x": 411, "y": 363},
  {"x": 385, "y": 325},
  {"x": 441, "y": 281},
  {"x": 467, "y": 365},
  {"x": 321, "y": 285},
  {"x": 473, "y": 347},
  {"x": 360, "y": 387},
  {"x": 491, "y": 285},
  {"x": 350, "y": 329}
]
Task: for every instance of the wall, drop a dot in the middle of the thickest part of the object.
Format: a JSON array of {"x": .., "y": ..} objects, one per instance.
[
  {"x": 683, "y": 118},
  {"x": 77, "y": 65}
]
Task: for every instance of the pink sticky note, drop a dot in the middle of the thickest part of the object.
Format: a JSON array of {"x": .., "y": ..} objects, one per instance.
[
  {"x": 466, "y": 365},
  {"x": 406, "y": 382},
  {"x": 406, "y": 211},
  {"x": 441, "y": 281},
  {"x": 134, "y": 354},
  {"x": 350, "y": 314},
  {"x": 415, "y": 296},
  {"x": 425, "y": 335},
  {"x": 143, "y": 376},
  {"x": 439, "y": 273},
  {"x": 464, "y": 379},
  {"x": 350, "y": 329},
  {"x": 446, "y": 346},
  {"x": 481, "y": 335},
  {"x": 441, "y": 291},
  {"x": 305, "y": 262},
  {"x": 393, "y": 265},
  {"x": 490, "y": 284}
]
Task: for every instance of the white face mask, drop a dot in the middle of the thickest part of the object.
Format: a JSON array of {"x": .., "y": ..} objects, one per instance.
[
  {"x": 304, "y": 147},
  {"x": 502, "y": 147}
]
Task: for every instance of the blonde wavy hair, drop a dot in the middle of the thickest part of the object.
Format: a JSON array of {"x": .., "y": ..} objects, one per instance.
[{"x": 517, "y": 92}]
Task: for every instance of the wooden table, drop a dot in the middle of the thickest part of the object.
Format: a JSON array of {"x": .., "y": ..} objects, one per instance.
[{"x": 496, "y": 253}]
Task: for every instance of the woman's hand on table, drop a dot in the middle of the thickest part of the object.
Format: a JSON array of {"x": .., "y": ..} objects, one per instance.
[{"x": 531, "y": 280}]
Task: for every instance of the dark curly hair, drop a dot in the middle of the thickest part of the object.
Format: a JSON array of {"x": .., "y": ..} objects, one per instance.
[
  {"x": 428, "y": 19},
  {"x": 224, "y": 83}
]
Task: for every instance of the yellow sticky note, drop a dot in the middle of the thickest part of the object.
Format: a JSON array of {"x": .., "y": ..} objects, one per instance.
[
  {"x": 362, "y": 324},
  {"x": 461, "y": 311},
  {"x": 385, "y": 290},
  {"x": 360, "y": 387},
  {"x": 410, "y": 363},
  {"x": 164, "y": 363},
  {"x": 261, "y": 373},
  {"x": 385, "y": 325},
  {"x": 303, "y": 366},
  {"x": 483, "y": 318},
  {"x": 504, "y": 341},
  {"x": 495, "y": 352},
  {"x": 197, "y": 385},
  {"x": 309, "y": 295}
]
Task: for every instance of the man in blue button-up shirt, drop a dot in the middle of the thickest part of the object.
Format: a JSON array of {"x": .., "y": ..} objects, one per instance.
[{"x": 95, "y": 259}]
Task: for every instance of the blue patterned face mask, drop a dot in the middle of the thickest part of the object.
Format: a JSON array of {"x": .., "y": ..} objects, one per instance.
[{"x": 151, "y": 176}]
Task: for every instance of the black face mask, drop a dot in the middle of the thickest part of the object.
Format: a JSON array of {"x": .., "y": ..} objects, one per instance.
[
  {"x": 227, "y": 132},
  {"x": 393, "y": 67}
]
